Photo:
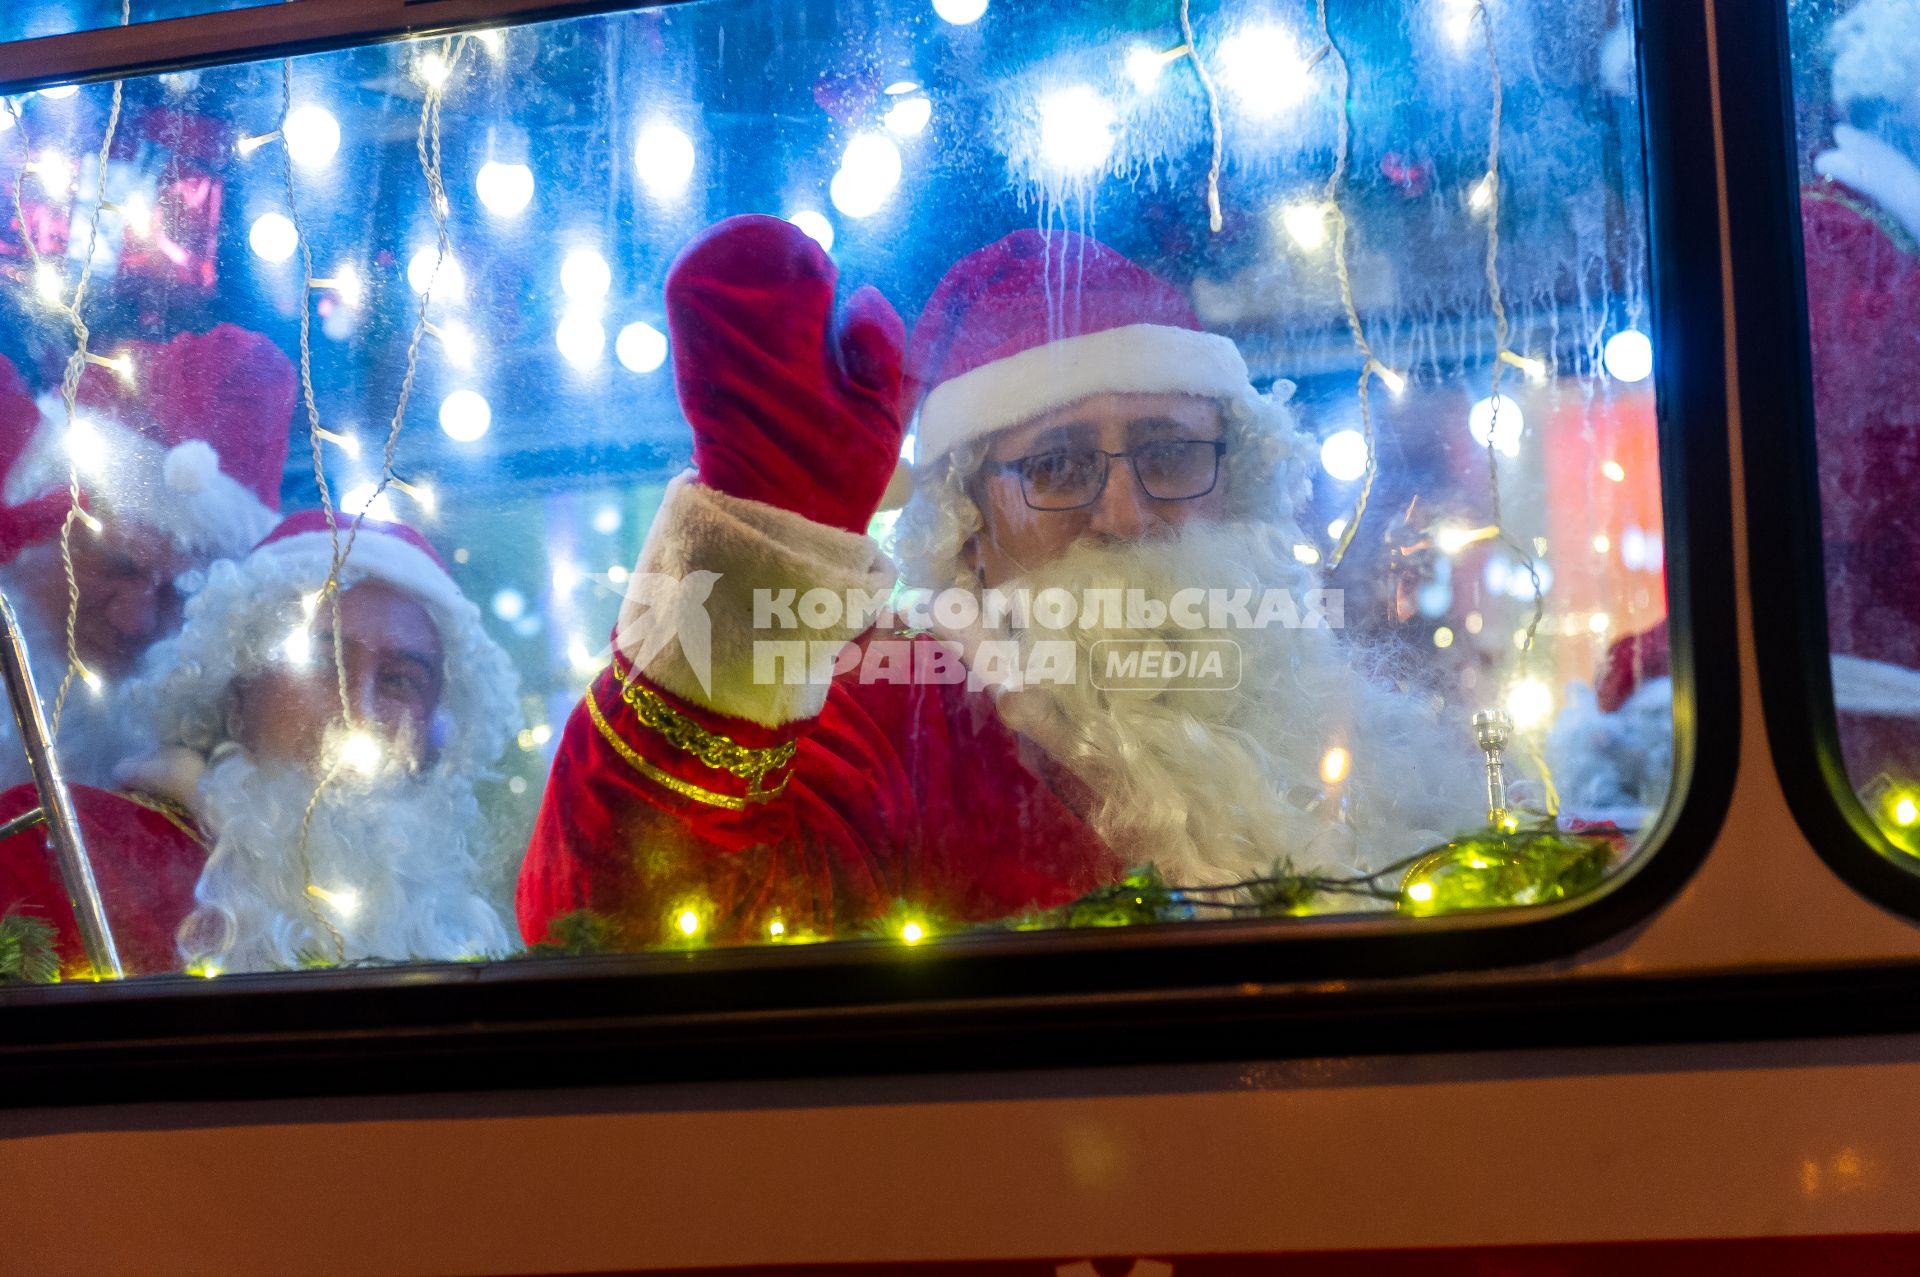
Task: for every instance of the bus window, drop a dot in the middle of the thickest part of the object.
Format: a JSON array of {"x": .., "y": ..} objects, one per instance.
[
  {"x": 62, "y": 17},
  {"x": 747, "y": 475},
  {"x": 1854, "y": 69}
]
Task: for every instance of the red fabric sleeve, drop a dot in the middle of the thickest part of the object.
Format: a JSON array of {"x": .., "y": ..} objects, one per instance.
[
  {"x": 902, "y": 794},
  {"x": 145, "y": 859}
]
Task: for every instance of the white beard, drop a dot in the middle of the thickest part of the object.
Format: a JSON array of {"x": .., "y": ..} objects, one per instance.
[
  {"x": 400, "y": 858},
  {"x": 1216, "y": 786},
  {"x": 97, "y": 731}
]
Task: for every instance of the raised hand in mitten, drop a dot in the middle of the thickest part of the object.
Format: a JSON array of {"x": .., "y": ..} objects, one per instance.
[{"x": 790, "y": 404}]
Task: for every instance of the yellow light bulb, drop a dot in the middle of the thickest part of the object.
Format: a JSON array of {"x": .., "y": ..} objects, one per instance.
[
  {"x": 913, "y": 933},
  {"x": 688, "y": 922},
  {"x": 776, "y": 928},
  {"x": 361, "y": 752},
  {"x": 1420, "y": 891},
  {"x": 1905, "y": 812},
  {"x": 1334, "y": 764}
]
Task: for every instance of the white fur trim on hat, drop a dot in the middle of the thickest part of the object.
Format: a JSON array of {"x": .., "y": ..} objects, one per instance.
[
  {"x": 1154, "y": 359},
  {"x": 180, "y": 491},
  {"x": 375, "y": 554}
]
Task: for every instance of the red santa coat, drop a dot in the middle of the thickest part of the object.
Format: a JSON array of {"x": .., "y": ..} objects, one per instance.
[
  {"x": 880, "y": 790},
  {"x": 147, "y": 856},
  {"x": 898, "y": 796}
]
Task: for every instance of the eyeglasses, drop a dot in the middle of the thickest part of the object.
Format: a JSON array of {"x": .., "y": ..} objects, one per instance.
[{"x": 1073, "y": 478}]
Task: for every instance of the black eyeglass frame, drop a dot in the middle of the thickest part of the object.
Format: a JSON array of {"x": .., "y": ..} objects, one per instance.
[{"x": 1131, "y": 457}]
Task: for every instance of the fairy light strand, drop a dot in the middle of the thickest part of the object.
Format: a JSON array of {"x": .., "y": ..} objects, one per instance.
[
  {"x": 70, "y": 378},
  {"x": 1502, "y": 332},
  {"x": 1370, "y": 366},
  {"x": 1192, "y": 50},
  {"x": 427, "y": 145}
]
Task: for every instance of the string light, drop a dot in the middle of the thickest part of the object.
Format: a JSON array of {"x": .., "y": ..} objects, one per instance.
[
  {"x": 1343, "y": 455},
  {"x": 1480, "y": 194},
  {"x": 641, "y": 347},
  {"x": 361, "y": 752},
  {"x": 581, "y": 657},
  {"x": 1535, "y": 370},
  {"x": 509, "y": 604},
  {"x": 347, "y": 443},
  {"x": 298, "y": 647},
  {"x": 432, "y": 69},
  {"x": 542, "y": 733},
  {"x": 1304, "y": 553},
  {"x": 1263, "y": 67},
  {"x": 585, "y": 275},
  {"x": 1529, "y": 702},
  {"x": 1602, "y": 543},
  {"x": 1599, "y": 622},
  {"x": 49, "y": 283},
  {"x": 505, "y": 189},
  {"x": 606, "y": 520},
  {"x": 1305, "y": 224},
  {"x": 816, "y": 226},
  {"x": 58, "y": 92},
  {"x": 776, "y": 929},
  {"x": 663, "y": 156},
  {"x": 367, "y": 499},
  {"x": 312, "y": 136},
  {"x": 908, "y": 117},
  {"x": 960, "y": 13},
  {"x": 1452, "y": 538},
  {"x": 94, "y": 682},
  {"x": 449, "y": 283},
  {"x": 136, "y": 214},
  {"x": 1420, "y": 891},
  {"x": 1443, "y": 637},
  {"x": 1076, "y": 130},
  {"x": 565, "y": 578},
  {"x": 423, "y": 496},
  {"x": 248, "y": 145},
  {"x": 869, "y": 171},
  {"x": 273, "y": 238},
  {"x": 1614, "y": 471},
  {"x": 56, "y": 173},
  {"x": 344, "y": 901},
  {"x": 913, "y": 933},
  {"x": 120, "y": 365},
  {"x": 494, "y": 39},
  {"x": 345, "y": 283},
  {"x": 465, "y": 416},
  {"x": 1906, "y": 812},
  {"x": 456, "y": 342},
  {"x": 1334, "y": 765},
  {"x": 84, "y": 446},
  {"x": 1144, "y": 65},
  {"x": 688, "y": 923},
  {"x": 582, "y": 340},
  {"x": 1628, "y": 355},
  {"x": 1497, "y": 421}
]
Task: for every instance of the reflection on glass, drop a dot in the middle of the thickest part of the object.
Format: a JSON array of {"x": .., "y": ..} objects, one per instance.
[
  {"x": 513, "y": 515},
  {"x": 1855, "y": 68}
]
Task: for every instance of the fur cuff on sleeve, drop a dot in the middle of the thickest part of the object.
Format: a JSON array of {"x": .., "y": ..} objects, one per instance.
[{"x": 688, "y": 622}]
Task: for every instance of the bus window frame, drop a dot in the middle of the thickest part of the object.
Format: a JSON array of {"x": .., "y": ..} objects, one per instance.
[
  {"x": 1781, "y": 450},
  {"x": 1130, "y": 994}
]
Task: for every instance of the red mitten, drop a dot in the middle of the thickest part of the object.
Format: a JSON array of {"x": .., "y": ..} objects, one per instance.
[{"x": 788, "y": 406}]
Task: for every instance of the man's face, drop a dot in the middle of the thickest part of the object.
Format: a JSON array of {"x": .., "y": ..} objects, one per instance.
[
  {"x": 391, "y": 651},
  {"x": 1163, "y": 431},
  {"x": 127, "y": 599}
]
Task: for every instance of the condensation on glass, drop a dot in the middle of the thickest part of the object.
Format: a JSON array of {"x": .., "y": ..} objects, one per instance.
[
  {"x": 1283, "y": 536},
  {"x": 1855, "y": 68}
]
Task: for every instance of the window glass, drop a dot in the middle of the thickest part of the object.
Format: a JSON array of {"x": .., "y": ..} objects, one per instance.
[
  {"x": 61, "y": 17},
  {"x": 476, "y": 444},
  {"x": 1857, "y": 98}
]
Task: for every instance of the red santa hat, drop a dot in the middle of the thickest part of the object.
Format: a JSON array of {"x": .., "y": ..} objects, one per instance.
[
  {"x": 238, "y": 622},
  {"x": 1040, "y": 320},
  {"x": 189, "y": 437}
]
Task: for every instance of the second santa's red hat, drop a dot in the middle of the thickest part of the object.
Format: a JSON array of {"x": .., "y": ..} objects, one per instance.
[
  {"x": 188, "y": 436},
  {"x": 1042, "y": 319}
]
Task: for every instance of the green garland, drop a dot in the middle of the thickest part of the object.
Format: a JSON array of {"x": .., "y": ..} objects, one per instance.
[
  {"x": 1487, "y": 868},
  {"x": 28, "y": 953}
]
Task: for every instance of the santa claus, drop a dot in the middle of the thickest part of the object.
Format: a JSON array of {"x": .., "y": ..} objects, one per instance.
[
  {"x": 1860, "y": 221},
  {"x": 178, "y": 451},
  {"x": 1080, "y": 438},
  {"x": 312, "y": 802}
]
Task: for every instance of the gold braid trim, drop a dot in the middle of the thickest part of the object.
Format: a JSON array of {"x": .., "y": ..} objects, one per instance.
[
  {"x": 722, "y": 753},
  {"x": 1833, "y": 193},
  {"x": 176, "y": 815},
  {"x": 667, "y": 780}
]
